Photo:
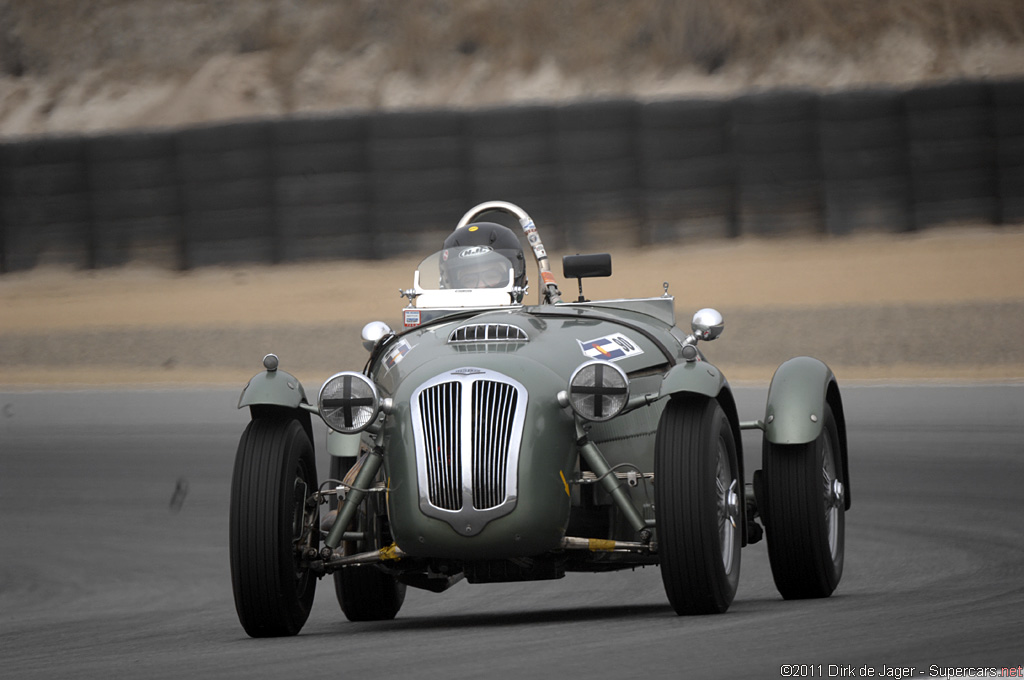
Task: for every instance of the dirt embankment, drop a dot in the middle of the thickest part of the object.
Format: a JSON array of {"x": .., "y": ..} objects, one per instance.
[{"x": 69, "y": 66}]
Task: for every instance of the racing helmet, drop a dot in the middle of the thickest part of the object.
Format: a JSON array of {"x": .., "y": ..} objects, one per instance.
[{"x": 472, "y": 254}]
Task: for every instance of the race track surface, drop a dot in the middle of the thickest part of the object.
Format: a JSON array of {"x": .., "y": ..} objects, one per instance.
[{"x": 114, "y": 560}]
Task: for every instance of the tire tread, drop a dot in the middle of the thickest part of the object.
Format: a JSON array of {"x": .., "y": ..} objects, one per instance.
[
  {"x": 798, "y": 547},
  {"x": 695, "y": 582},
  {"x": 265, "y": 454}
]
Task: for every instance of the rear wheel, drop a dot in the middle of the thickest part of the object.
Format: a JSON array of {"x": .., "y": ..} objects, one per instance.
[
  {"x": 804, "y": 513},
  {"x": 698, "y": 503},
  {"x": 365, "y": 592},
  {"x": 270, "y": 525}
]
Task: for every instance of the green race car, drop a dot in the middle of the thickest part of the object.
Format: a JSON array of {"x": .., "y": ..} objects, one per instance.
[{"x": 494, "y": 440}]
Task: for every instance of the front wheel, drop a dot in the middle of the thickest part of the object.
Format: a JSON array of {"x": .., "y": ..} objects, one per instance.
[
  {"x": 804, "y": 513},
  {"x": 698, "y": 504},
  {"x": 271, "y": 525}
]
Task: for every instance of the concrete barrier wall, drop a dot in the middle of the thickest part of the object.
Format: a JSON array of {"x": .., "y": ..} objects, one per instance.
[{"x": 376, "y": 184}]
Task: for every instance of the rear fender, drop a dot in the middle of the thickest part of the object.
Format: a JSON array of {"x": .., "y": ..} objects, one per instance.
[{"x": 797, "y": 396}]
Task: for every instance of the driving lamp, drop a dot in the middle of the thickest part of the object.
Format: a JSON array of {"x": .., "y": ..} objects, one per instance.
[
  {"x": 598, "y": 390},
  {"x": 348, "y": 402}
]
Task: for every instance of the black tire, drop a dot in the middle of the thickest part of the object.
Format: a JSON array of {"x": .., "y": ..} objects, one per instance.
[
  {"x": 365, "y": 593},
  {"x": 804, "y": 514},
  {"x": 275, "y": 471},
  {"x": 698, "y": 496}
]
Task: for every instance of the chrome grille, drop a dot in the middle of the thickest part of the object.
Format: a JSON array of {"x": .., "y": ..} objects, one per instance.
[
  {"x": 494, "y": 404},
  {"x": 467, "y": 426},
  {"x": 441, "y": 417}
]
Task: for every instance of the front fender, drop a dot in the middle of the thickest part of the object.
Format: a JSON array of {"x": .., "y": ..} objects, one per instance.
[
  {"x": 699, "y": 377},
  {"x": 276, "y": 392},
  {"x": 800, "y": 389},
  {"x": 796, "y": 401},
  {"x": 273, "y": 388}
]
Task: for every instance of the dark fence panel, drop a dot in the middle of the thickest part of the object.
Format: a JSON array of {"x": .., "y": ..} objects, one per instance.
[
  {"x": 45, "y": 211},
  {"x": 418, "y": 176},
  {"x": 687, "y": 170},
  {"x": 136, "y": 197},
  {"x": 227, "y": 194},
  {"x": 952, "y": 153},
  {"x": 322, "y": 189},
  {"x": 865, "y": 167},
  {"x": 595, "y": 151},
  {"x": 777, "y": 163},
  {"x": 512, "y": 158},
  {"x": 372, "y": 185},
  {"x": 1008, "y": 123}
]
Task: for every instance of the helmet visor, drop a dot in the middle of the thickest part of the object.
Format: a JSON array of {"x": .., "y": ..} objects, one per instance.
[{"x": 475, "y": 267}]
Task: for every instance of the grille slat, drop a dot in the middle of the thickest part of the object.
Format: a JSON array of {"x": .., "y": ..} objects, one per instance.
[{"x": 453, "y": 464}]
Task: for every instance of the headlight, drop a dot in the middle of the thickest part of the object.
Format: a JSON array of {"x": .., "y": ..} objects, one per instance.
[
  {"x": 348, "y": 402},
  {"x": 598, "y": 390}
]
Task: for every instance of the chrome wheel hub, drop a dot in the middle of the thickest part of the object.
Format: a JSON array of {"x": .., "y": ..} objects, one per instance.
[
  {"x": 834, "y": 494},
  {"x": 728, "y": 508}
]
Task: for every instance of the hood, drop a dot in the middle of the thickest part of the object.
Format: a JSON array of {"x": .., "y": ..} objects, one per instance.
[{"x": 557, "y": 338}]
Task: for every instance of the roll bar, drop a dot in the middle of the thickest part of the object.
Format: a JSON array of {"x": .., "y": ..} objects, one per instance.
[{"x": 549, "y": 290}]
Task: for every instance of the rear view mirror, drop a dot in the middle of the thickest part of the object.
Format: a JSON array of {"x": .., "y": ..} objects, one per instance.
[
  {"x": 587, "y": 266},
  {"x": 581, "y": 267}
]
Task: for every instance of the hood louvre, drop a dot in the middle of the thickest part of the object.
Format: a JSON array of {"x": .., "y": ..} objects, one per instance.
[{"x": 488, "y": 332}]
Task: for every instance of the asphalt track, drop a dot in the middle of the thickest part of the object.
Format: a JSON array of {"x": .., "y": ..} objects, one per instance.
[{"x": 114, "y": 561}]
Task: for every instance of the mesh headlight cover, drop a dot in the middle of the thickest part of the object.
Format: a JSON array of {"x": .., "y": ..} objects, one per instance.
[
  {"x": 348, "y": 402},
  {"x": 598, "y": 390}
]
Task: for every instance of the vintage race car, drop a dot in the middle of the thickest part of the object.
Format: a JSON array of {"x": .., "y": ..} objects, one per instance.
[{"x": 494, "y": 440}]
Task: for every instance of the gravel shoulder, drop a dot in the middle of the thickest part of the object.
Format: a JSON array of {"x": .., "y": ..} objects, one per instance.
[{"x": 943, "y": 304}]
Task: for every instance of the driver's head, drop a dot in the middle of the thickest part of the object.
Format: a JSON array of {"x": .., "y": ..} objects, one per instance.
[
  {"x": 489, "y": 237},
  {"x": 474, "y": 267}
]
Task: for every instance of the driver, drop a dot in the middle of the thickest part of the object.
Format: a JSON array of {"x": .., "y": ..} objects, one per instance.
[
  {"x": 480, "y": 255},
  {"x": 474, "y": 267}
]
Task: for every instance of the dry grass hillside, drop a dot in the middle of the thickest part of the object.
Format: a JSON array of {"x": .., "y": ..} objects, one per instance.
[{"x": 67, "y": 65}]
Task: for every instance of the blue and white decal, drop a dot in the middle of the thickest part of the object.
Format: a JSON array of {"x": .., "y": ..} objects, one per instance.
[
  {"x": 610, "y": 347},
  {"x": 412, "y": 318}
]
